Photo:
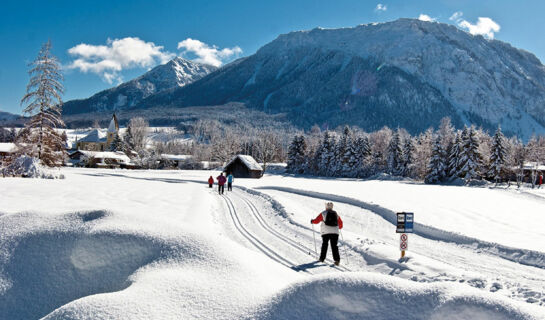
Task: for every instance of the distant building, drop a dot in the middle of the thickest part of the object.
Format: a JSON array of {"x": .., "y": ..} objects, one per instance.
[
  {"x": 7, "y": 149},
  {"x": 100, "y": 159},
  {"x": 244, "y": 166},
  {"x": 96, "y": 140},
  {"x": 174, "y": 160}
]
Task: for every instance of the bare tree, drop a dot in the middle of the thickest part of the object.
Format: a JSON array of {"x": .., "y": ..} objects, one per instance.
[
  {"x": 39, "y": 138},
  {"x": 267, "y": 147},
  {"x": 139, "y": 130},
  {"x": 225, "y": 145}
]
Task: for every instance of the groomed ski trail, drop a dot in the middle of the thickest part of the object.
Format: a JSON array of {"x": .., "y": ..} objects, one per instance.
[
  {"x": 522, "y": 256},
  {"x": 296, "y": 245},
  {"x": 281, "y": 250}
]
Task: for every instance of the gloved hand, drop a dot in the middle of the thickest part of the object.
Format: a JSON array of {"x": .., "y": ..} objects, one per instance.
[{"x": 311, "y": 221}]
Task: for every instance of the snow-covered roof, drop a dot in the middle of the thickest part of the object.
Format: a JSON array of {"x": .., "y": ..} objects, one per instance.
[
  {"x": 118, "y": 155},
  {"x": 176, "y": 157},
  {"x": 534, "y": 166},
  {"x": 7, "y": 147},
  {"x": 112, "y": 155},
  {"x": 94, "y": 136},
  {"x": 249, "y": 161}
]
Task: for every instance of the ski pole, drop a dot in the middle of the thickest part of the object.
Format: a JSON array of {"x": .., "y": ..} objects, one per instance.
[
  {"x": 344, "y": 245},
  {"x": 314, "y": 237}
]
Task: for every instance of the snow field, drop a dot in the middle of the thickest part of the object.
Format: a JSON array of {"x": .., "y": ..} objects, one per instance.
[
  {"x": 117, "y": 244},
  {"x": 155, "y": 253},
  {"x": 372, "y": 245},
  {"x": 500, "y": 216}
]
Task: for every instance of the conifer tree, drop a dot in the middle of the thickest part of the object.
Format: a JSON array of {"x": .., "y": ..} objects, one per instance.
[
  {"x": 437, "y": 163},
  {"x": 498, "y": 157},
  {"x": 395, "y": 154},
  {"x": 296, "y": 155},
  {"x": 346, "y": 149},
  {"x": 326, "y": 155},
  {"x": 362, "y": 150},
  {"x": 117, "y": 143},
  {"x": 39, "y": 138},
  {"x": 408, "y": 158},
  {"x": 454, "y": 158},
  {"x": 470, "y": 158}
]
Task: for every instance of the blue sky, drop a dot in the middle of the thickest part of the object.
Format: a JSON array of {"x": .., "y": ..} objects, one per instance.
[{"x": 103, "y": 42}]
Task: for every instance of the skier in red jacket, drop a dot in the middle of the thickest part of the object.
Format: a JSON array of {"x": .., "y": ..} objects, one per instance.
[
  {"x": 221, "y": 183},
  {"x": 540, "y": 180},
  {"x": 331, "y": 224},
  {"x": 210, "y": 182}
]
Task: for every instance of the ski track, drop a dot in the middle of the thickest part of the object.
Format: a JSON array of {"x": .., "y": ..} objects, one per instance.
[
  {"x": 253, "y": 239},
  {"x": 482, "y": 271},
  {"x": 259, "y": 218},
  {"x": 522, "y": 256}
]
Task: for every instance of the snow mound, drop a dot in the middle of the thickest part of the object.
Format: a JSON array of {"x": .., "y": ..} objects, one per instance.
[
  {"x": 380, "y": 297},
  {"x": 43, "y": 268},
  {"x": 29, "y": 167}
]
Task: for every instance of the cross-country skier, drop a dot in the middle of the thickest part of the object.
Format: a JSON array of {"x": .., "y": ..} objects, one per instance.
[
  {"x": 540, "y": 180},
  {"x": 331, "y": 224},
  {"x": 210, "y": 182},
  {"x": 230, "y": 182},
  {"x": 221, "y": 183}
]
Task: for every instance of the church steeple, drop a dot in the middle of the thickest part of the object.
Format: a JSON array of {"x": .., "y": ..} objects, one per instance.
[{"x": 113, "y": 128}]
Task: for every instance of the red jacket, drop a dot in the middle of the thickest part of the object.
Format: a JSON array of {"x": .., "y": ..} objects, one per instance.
[
  {"x": 540, "y": 180},
  {"x": 320, "y": 218},
  {"x": 221, "y": 180},
  {"x": 210, "y": 180}
]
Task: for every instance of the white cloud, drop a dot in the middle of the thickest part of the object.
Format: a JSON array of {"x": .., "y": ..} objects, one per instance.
[
  {"x": 425, "y": 17},
  {"x": 456, "y": 16},
  {"x": 208, "y": 54},
  {"x": 117, "y": 55},
  {"x": 381, "y": 7},
  {"x": 484, "y": 26}
]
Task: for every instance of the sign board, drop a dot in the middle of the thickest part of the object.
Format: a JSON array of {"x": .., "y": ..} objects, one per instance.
[
  {"x": 404, "y": 242},
  {"x": 405, "y": 222}
]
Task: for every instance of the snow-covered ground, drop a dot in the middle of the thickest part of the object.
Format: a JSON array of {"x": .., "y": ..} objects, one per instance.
[{"x": 118, "y": 244}]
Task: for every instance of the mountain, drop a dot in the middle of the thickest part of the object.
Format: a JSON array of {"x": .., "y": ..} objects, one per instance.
[
  {"x": 6, "y": 116},
  {"x": 176, "y": 73},
  {"x": 407, "y": 73}
]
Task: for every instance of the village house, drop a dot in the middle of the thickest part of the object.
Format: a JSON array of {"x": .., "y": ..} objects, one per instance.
[
  {"x": 7, "y": 149},
  {"x": 100, "y": 159},
  {"x": 96, "y": 140}
]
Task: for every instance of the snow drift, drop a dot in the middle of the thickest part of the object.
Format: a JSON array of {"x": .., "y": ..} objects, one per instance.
[
  {"x": 29, "y": 167},
  {"x": 379, "y": 297}
]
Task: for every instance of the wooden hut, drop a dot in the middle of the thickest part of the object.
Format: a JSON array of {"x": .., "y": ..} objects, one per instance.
[{"x": 244, "y": 166}]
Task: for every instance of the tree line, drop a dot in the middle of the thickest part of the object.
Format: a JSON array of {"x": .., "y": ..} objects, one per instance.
[{"x": 434, "y": 156}]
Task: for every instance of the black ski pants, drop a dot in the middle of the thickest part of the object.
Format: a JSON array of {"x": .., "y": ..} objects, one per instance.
[
  {"x": 221, "y": 188},
  {"x": 333, "y": 238},
  {"x": 229, "y": 186}
]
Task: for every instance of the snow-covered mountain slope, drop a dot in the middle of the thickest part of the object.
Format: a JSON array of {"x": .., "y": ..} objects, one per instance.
[
  {"x": 176, "y": 73},
  {"x": 406, "y": 73}
]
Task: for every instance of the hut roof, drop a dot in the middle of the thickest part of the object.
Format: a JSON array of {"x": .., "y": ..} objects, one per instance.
[
  {"x": 248, "y": 161},
  {"x": 7, "y": 147},
  {"x": 94, "y": 136}
]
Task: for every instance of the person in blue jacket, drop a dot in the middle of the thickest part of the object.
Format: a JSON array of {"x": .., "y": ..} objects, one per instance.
[{"x": 230, "y": 179}]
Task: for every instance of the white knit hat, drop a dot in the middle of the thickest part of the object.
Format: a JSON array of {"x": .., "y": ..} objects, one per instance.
[{"x": 329, "y": 205}]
